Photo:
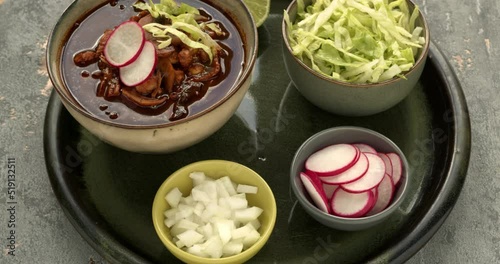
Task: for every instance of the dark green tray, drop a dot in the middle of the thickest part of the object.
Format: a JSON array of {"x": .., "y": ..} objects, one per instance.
[{"x": 107, "y": 193}]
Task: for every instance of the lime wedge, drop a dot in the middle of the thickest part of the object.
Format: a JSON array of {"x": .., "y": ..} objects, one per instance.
[{"x": 259, "y": 10}]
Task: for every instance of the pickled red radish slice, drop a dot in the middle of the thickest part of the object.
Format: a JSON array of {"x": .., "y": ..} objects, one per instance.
[
  {"x": 315, "y": 190},
  {"x": 385, "y": 192},
  {"x": 397, "y": 167},
  {"x": 365, "y": 148},
  {"x": 388, "y": 163},
  {"x": 348, "y": 204},
  {"x": 375, "y": 193},
  {"x": 141, "y": 69},
  {"x": 353, "y": 173},
  {"x": 124, "y": 44},
  {"x": 333, "y": 159},
  {"x": 356, "y": 183},
  {"x": 374, "y": 175}
]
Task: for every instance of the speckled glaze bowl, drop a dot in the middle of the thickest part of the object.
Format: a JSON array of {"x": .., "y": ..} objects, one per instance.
[
  {"x": 216, "y": 169},
  {"x": 168, "y": 137},
  {"x": 350, "y": 135},
  {"x": 346, "y": 98}
]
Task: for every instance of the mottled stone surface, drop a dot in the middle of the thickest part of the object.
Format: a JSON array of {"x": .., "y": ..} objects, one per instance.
[
  {"x": 467, "y": 31},
  {"x": 43, "y": 232}
]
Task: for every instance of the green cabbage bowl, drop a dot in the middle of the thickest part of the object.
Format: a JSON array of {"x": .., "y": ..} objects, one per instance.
[{"x": 352, "y": 59}]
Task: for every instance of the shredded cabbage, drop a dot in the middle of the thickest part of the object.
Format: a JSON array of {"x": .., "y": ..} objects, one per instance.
[
  {"x": 184, "y": 26},
  {"x": 357, "y": 41},
  {"x": 166, "y": 8},
  {"x": 212, "y": 26},
  {"x": 155, "y": 27}
]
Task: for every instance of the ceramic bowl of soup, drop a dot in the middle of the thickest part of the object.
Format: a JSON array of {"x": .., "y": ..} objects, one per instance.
[{"x": 204, "y": 51}]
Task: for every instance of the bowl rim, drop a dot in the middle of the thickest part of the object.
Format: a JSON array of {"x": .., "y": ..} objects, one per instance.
[
  {"x": 71, "y": 101},
  {"x": 246, "y": 254},
  {"x": 301, "y": 197},
  {"x": 421, "y": 59}
]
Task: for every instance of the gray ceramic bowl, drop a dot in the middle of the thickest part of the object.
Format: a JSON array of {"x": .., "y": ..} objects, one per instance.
[
  {"x": 346, "y": 98},
  {"x": 346, "y": 135},
  {"x": 166, "y": 137}
]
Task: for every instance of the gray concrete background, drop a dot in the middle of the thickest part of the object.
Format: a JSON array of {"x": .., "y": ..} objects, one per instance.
[{"x": 467, "y": 31}]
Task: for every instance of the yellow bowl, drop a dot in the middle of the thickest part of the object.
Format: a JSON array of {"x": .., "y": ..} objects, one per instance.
[{"x": 216, "y": 169}]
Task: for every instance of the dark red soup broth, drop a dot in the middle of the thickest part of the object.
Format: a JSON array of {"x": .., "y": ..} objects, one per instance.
[{"x": 83, "y": 82}]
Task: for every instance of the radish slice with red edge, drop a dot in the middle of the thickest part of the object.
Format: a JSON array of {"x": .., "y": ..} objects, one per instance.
[
  {"x": 124, "y": 44},
  {"x": 388, "y": 163},
  {"x": 315, "y": 190},
  {"x": 141, "y": 69},
  {"x": 351, "y": 205},
  {"x": 397, "y": 167},
  {"x": 374, "y": 175},
  {"x": 365, "y": 148},
  {"x": 375, "y": 192},
  {"x": 385, "y": 192},
  {"x": 332, "y": 160},
  {"x": 353, "y": 173}
]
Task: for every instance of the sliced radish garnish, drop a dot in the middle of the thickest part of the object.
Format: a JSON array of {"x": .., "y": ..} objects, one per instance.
[
  {"x": 329, "y": 189},
  {"x": 385, "y": 191},
  {"x": 372, "y": 177},
  {"x": 353, "y": 173},
  {"x": 139, "y": 71},
  {"x": 397, "y": 167},
  {"x": 125, "y": 44},
  {"x": 355, "y": 179},
  {"x": 333, "y": 159},
  {"x": 365, "y": 148},
  {"x": 375, "y": 192},
  {"x": 315, "y": 190},
  {"x": 348, "y": 204},
  {"x": 387, "y": 162}
]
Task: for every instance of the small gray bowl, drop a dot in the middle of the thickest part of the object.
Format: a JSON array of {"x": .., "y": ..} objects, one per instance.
[
  {"x": 351, "y": 99},
  {"x": 349, "y": 135}
]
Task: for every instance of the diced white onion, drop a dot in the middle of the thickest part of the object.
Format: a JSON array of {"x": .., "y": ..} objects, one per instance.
[
  {"x": 243, "y": 188},
  {"x": 215, "y": 220},
  {"x": 173, "y": 197}
]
